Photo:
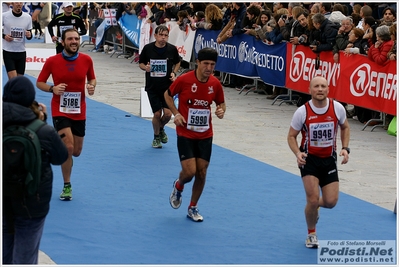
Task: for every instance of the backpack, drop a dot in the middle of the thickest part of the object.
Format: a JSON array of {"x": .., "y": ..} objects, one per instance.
[{"x": 22, "y": 160}]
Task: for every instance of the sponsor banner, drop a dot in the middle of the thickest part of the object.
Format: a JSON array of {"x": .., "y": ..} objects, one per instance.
[
  {"x": 303, "y": 64},
  {"x": 354, "y": 79},
  {"x": 367, "y": 84},
  {"x": 183, "y": 40},
  {"x": 35, "y": 57},
  {"x": 356, "y": 252},
  {"x": 131, "y": 26},
  {"x": 246, "y": 56}
]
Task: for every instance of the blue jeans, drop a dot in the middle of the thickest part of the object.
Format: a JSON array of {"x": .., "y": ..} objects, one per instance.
[{"x": 22, "y": 246}]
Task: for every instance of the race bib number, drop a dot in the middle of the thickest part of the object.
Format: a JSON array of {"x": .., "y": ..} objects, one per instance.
[
  {"x": 62, "y": 29},
  {"x": 322, "y": 134},
  {"x": 18, "y": 34},
  {"x": 70, "y": 102},
  {"x": 198, "y": 120},
  {"x": 158, "y": 67}
]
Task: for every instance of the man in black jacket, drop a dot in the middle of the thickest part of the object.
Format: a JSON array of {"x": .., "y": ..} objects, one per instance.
[
  {"x": 328, "y": 31},
  {"x": 23, "y": 220}
]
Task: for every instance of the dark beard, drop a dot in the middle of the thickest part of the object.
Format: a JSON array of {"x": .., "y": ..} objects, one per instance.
[{"x": 70, "y": 52}]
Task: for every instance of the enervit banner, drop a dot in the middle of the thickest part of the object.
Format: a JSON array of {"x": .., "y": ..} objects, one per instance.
[{"x": 354, "y": 79}]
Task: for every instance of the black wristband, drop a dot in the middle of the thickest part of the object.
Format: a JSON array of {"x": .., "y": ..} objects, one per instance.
[{"x": 4, "y": 36}]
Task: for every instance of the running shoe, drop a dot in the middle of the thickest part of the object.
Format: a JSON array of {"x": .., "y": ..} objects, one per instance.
[
  {"x": 66, "y": 193},
  {"x": 156, "y": 143},
  {"x": 41, "y": 36},
  {"x": 37, "y": 36},
  {"x": 312, "y": 241},
  {"x": 175, "y": 198},
  {"x": 194, "y": 215},
  {"x": 163, "y": 136}
]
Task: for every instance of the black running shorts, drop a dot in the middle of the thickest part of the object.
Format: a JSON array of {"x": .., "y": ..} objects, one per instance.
[
  {"x": 325, "y": 169},
  {"x": 78, "y": 127},
  {"x": 15, "y": 61},
  {"x": 194, "y": 148}
]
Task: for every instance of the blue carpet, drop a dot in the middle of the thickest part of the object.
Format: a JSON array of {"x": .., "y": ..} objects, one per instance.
[{"x": 120, "y": 214}]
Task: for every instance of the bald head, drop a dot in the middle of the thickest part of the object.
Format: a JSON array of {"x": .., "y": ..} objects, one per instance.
[{"x": 318, "y": 89}]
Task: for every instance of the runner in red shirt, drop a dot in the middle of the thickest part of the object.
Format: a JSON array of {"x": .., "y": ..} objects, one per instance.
[
  {"x": 318, "y": 121},
  {"x": 196, "y": 91},
  {"x": 73, "y": 74}
]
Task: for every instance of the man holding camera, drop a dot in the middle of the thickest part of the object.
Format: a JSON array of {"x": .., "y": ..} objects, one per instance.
[{"x": 298, "y": 30}]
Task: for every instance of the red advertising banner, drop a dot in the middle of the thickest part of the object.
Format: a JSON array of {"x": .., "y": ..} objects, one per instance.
[{"x": 354, "y": 80}]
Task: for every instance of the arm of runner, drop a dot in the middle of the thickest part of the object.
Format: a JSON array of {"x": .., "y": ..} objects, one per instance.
[
  {"x": 220, "y": 110},
  {"x": 345, "y": 135},
  {"x": 179, "y": 119},
  {"x": 91, "y": 86},
  {"x": 293, "y": 144}
]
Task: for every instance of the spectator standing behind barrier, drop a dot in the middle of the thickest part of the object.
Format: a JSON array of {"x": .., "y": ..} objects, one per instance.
[
  {"x": 198, "y": 19},
  {"x": 194, "y": 126},
  {"x": 291, "y": 26},
  {"x": 161, "y": 61},
  {"x": 378, "y": 51},
  {"x": 234, "y": 28},
  {"x": 356, "y": 42},
  {"x": 342, "y": 38},
  {"x": 23, "y": 219},
  {"x": 365, "y": 11},
  {"x": 213, "y": 16},
  {"x": 356, "y": 45},
  {"x": 389, "y": 16},
  {"x": 325, "y": 9},
  {"x": 251, "y": 17},
  {"x": 158, "y": 14},
  {"x": 171, "y": 12},
  {"x": 299, "y": 30},
  {"x": 16, "y": 26},
  {"x": 261, "y": 23},
  {"x": 317, "y": 154},
  {"x": 273, "y": 32},
  {"x": 182, "y": 20},
  {"x": 240, "y": 11},
  {"x": 73, "y": 74},
  {"x": 328, "y": 32},
  {"x": 369, "y": 27},
  {"x": 63, "y": 21},
  {"x": 392, "y": 31}
]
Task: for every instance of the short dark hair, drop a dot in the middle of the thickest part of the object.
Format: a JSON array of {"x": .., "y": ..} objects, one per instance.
[
  {"x": 161, "y": 28},
  {"x": 391, "y": 9},
  {"x": 207, "y": 53},
  {"x": 68, "y": 30}
]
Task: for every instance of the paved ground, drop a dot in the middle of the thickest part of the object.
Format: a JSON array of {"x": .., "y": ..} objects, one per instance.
[{"x": 254, "y": 127}]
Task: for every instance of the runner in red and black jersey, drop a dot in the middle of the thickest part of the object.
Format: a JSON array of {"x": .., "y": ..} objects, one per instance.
[
  {"x": 196, "y": 91},
  {"x": 318, "y": 121}
]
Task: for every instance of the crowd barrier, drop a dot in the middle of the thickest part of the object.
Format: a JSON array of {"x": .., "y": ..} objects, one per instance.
[{"x": 354, "y": 79}]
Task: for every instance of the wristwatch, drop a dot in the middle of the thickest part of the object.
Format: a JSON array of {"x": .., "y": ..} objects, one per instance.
[
  {"x": 347, "y": 149},
  {"x": 51, "y": 89}
]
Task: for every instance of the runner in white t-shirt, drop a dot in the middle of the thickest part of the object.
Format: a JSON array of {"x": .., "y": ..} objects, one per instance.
[{"x": 16, "y": 26}]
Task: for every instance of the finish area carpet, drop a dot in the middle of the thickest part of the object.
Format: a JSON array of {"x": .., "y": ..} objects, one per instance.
[{"x": 120, "y": 212}]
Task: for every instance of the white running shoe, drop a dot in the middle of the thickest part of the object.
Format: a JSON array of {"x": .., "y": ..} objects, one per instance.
[
  {"x": 175, "y": 198},
  {"x": 194, "y": 215},
  {"x": 312, "y": 241}
]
